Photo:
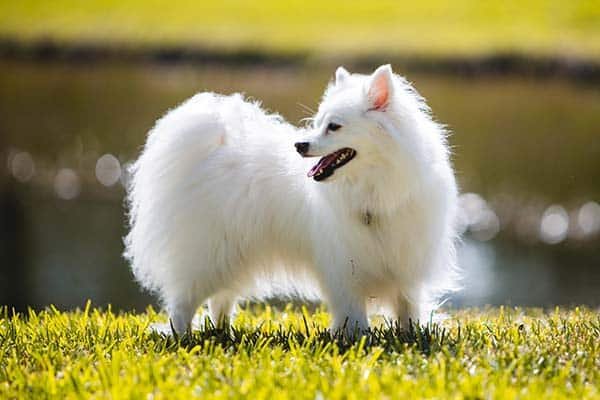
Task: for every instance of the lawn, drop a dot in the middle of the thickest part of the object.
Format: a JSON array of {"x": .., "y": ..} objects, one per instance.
[
  {"x": 327, "y": 28},
  {"x": 271, "y": 354}
]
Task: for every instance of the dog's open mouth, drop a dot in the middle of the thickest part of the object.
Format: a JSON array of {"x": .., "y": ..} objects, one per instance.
[{"x": 328, "y": 164}]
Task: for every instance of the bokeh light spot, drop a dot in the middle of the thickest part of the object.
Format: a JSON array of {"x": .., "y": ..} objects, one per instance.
[
  {"x": 126, "y": 174},
  {"x": 554, "y": 224},
  {"x": 22, "y": 166},
  {"x": 476, "y": 216},
  {"x": 108, "y": 170},
  {"x": 486, "y": 227},
  {"x": 66, "y": 184},
  {"x": 588, "y": 218}
]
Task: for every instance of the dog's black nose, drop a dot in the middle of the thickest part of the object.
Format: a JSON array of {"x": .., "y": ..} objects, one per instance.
[{"x": 302, "y": 147}]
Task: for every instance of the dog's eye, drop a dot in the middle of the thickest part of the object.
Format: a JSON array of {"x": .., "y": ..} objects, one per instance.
[{"x": 333, "y": 127}]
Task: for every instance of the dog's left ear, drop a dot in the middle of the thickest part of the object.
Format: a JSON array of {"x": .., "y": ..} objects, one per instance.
[
  {"x": 380, "y": 88},
  {"x": 341, "y": 74}
]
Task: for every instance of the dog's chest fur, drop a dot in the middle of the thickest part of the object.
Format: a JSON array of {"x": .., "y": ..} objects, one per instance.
[{"x": 386, "y": 247}]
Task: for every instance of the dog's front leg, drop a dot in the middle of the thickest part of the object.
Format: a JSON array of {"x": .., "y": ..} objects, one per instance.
[
  {"x": 349, "y": 314},
  {"x": 347, "y": 304}
]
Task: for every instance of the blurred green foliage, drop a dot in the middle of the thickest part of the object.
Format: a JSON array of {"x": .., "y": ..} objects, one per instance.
[
  {"x": 429, "y": 27},
  {"x": 525, "y": 138}
]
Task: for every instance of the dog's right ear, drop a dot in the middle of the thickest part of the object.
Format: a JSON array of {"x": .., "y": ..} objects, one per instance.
[
  {"x": 381, "y": 88},
  {"x": 341, "y": 74}
]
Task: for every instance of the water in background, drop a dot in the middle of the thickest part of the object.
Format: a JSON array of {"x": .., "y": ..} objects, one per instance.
[{"x": 527, "y": 156}]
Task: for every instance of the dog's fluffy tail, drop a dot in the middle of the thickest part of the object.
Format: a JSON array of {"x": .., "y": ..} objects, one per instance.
[{"x": 176, "y": 146}]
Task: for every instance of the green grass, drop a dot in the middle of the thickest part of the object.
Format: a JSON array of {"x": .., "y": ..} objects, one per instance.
[
  {"x": 494, "y": 353},
  {"x": 428, "y": 27}
]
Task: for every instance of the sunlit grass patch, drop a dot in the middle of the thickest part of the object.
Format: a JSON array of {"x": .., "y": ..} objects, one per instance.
[{"x": 271, "y": 353}]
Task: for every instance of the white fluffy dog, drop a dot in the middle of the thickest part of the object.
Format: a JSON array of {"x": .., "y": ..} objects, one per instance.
[{"x": 226, "y": 200}]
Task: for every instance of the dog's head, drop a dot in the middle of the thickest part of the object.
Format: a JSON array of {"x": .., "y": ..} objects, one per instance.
[{"x": 357, "y": 121}]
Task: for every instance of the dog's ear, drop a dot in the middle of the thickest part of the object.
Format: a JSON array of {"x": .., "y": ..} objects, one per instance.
[
  {"x": 380, "y": 88},
  {"x": 341, "y": 74}
]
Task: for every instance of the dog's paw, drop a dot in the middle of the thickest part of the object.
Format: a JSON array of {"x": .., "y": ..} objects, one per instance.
[
  {"x": 199, "y": 322},
  {"x": 162, "y": 328}
]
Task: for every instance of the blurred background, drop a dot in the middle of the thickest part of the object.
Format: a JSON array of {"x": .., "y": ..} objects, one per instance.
[{"x": 517, "y": 82}]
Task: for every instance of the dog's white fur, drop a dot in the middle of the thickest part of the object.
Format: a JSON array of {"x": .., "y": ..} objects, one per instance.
[{"x": 220, "y": 203}]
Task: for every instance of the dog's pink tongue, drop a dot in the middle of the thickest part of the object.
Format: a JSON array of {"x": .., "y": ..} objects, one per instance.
[{"x": 321, "y": 164}]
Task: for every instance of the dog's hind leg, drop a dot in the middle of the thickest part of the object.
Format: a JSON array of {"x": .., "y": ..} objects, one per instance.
[
  {"x": 406, "y": 312},
  {"x": 221, "y": 307}
]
